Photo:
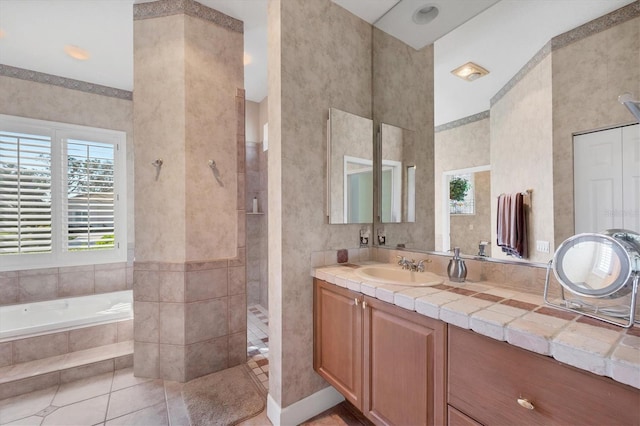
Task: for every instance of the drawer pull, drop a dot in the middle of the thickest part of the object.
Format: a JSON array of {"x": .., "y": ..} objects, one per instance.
[
  {"x": 525, "y": 403},
  {"x": 357, "y": 301}
]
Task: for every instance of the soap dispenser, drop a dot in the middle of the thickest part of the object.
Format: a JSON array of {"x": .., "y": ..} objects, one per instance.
[{"x": 457, "y": 270}]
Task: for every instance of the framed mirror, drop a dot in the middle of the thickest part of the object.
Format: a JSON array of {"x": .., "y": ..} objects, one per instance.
[
  {"x": 349, "y": 168},
  {"x": 397, "y": 174}
]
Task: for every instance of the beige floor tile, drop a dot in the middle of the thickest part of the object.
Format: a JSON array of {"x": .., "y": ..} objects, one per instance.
[
  {"x": 25, "y": 405},
  {"x": 155, "y": 415},
  {"x": 80, "y": 390},
  {"x": 88, "y": 412},
  {"x": 135, "y": 398},
  {"x": 28, "y": 421},
  {"x": 259, "y": 420},
  {"x": 124, "y": 378},
  {"x": 177, "y": 411}
]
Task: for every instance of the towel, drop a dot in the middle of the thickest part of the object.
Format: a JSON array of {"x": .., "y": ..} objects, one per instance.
[{"x": 512, "y": 225}]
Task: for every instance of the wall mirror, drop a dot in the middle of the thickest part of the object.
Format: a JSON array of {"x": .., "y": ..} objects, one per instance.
[
  {"x": 349, "y": 168},
  {"x": 397, "y": 174}
]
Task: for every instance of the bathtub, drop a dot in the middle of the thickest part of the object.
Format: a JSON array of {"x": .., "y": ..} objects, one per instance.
[{"x": 29, "y": 319}]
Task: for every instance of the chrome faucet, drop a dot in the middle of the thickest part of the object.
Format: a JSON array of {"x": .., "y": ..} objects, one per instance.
[
  {"x": 404, "y": 262},
  {"x": 411, "y": 264}
]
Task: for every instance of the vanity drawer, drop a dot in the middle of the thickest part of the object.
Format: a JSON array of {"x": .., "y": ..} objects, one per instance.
[{"x": 487, "y": 377}]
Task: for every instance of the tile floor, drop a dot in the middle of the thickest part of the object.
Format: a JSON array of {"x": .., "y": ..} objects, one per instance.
[
  {"x": 119, "y": 398},
  {"x": 258, "y": 342},
  {"x": 115, "y": 398}
]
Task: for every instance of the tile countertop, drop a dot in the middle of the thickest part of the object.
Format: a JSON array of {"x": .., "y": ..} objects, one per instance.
[{"x": 521, "y": 319}]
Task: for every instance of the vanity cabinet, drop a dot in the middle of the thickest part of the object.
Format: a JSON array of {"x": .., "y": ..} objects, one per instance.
[
  {"x": 387, "y": 361},
  {"x": 492, "y": 382}
]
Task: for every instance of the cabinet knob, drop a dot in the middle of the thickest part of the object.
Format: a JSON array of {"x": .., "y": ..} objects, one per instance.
[
  {"x": 356, "y": 301},
  {"x": 525, "y": 403},
  {"x": 364, "y": 305}
]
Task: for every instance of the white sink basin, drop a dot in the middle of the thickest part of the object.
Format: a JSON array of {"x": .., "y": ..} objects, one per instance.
[{"x": 398, "y": 276}]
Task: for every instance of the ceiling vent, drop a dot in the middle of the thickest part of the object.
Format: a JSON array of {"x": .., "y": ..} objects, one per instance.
[{"x": 470, "y": 71}]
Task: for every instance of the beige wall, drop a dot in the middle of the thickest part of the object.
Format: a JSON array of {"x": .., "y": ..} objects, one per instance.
[
  {"x": 252, "y": 125},
  {"x": 153, "y": 70},
  {"x": 458, "y": 148},
  {"x": 320, "y": 57},
  {"x": 521, "y": 154},
  {"x": 403, "y": 97},
  {"x": 588, "y": 76},
  {"x": 186, "y": 94}
]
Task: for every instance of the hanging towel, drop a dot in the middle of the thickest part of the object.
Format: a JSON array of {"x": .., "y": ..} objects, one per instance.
[{"x": 512, "y": 225}]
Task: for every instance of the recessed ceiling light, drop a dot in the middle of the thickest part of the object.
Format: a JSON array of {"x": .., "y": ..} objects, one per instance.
[
  {"x": 470, "y": 71},
  {"x": 247, "y": 59},
  {"x": 425, "y": 14},
  {"x": 76, "y": 53}
]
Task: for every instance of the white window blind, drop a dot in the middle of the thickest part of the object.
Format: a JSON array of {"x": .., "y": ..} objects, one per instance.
[
  {"x": 90, "y": 195},
  {"x": 62, "y": 198},
  {"x": 25, "y": 193}
]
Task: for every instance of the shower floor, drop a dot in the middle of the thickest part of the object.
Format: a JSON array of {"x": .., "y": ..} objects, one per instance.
[{"x": 258, "y": 342}]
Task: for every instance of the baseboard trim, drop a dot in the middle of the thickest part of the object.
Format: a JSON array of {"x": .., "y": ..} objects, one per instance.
[{"x": 304, "y": 409}]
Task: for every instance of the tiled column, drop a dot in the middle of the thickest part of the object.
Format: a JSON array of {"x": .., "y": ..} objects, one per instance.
[{"x": 189, "y": 274}]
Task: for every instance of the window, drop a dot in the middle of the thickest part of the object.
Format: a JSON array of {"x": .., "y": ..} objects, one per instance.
[
  {"x": 462, "y": 194},
  {"x": 62, "y": 199}
]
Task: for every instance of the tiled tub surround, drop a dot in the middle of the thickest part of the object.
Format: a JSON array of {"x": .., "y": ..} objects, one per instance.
[
  {"x": 21, "y": 350},
  {"x": 53, "y": 283},
  {"x": 39, "y": 362},
  {"x": 517, "y": 317}
]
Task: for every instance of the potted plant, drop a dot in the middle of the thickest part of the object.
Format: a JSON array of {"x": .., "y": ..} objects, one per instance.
[{"x": 458, "y": 188}]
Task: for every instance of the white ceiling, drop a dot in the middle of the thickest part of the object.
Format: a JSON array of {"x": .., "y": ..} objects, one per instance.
[{"x": 501, "y": 37}]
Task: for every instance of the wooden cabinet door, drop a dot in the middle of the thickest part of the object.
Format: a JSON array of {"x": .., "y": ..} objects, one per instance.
[
  {"x": 404, "y": 366},
  {"x": 338, "y": 339}
]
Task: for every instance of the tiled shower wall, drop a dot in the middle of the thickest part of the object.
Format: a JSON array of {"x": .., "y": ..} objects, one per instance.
[{"x": 256, "y": 182}]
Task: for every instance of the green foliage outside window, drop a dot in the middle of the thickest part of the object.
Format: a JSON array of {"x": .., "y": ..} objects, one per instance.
[{"x": 458, "y": 188}]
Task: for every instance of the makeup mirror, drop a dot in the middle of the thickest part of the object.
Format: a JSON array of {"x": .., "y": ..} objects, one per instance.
[{"x": 598, "y": 266}]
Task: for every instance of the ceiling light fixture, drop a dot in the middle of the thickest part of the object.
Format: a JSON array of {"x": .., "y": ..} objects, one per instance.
[
  {"x": 425, "y": 14},
  {"x": 470, "y": 71},
  {"x": 76, "y": 53}
]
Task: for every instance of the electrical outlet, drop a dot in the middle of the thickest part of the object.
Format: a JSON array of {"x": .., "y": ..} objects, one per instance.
[{"x": 542, "y": 246}]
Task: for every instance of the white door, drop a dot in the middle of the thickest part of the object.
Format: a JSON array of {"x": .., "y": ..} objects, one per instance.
[
  {"x": 631, "y": 177},
  {"x": 607, "y": 180}
]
